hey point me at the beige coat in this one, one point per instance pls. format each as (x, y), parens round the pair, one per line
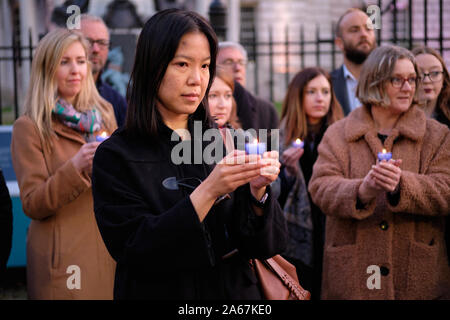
(66, 256)
(405, 241)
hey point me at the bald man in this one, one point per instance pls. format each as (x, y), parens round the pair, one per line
(355, 37)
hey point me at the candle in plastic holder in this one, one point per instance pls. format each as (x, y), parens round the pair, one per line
(298, 143)
(255, 147)
(383, 155)
(102, 137)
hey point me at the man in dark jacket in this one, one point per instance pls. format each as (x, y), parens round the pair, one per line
(355, 37)
(96, 32)
(6, 217)
(253, 112)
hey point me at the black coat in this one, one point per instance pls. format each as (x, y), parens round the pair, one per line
(117, 101)
(254, 112)
(154, 234)
(6, 227)
(340, 89)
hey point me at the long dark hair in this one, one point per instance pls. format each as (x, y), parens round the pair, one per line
(293, 115)
(156, 47)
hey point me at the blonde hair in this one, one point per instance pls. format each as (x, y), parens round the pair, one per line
(377, 71)
(227, 77)
(43, 90)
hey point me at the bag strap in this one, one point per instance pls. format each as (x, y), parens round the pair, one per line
(287, 279)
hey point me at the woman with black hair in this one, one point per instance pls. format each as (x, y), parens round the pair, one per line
(181, 231)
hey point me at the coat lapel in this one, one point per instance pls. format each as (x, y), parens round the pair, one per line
(411, 125)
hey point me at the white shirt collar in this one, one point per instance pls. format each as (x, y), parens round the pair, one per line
(348, 74)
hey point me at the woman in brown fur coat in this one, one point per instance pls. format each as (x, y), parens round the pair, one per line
(386, 220)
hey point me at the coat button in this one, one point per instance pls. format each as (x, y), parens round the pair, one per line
(384, 225)
(384, 271)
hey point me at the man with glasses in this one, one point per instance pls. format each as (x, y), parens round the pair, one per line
(96, 32)
(253, 112)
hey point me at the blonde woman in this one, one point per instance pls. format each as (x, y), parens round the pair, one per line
(52, 148)
(222, 106)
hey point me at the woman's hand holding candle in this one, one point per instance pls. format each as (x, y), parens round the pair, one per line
(268, 173)
(235, 170)
(82, 160)
(290, 159)
(383, 177)
(387, 174)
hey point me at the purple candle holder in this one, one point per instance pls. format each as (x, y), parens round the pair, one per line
(102, 137)
(298, 143)
(255, 148)
(384, 155)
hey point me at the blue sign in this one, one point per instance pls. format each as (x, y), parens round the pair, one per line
(17, 258)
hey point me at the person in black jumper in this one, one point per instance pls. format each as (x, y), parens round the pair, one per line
(181, 229)
(308, 109)
(6, 226)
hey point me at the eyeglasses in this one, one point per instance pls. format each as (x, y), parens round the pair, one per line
(433, 76)
(229, 63)
(101, 42)
(398, 82)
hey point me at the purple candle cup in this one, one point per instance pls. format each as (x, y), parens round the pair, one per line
(102, 137)
(384, 155)
(298, 143)
(255, 148)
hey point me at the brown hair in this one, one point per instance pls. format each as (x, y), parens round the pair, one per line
(376, 72)
(293, 115)
(227, 77)
(443, 100)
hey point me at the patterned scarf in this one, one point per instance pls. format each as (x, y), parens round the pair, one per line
(86, 122)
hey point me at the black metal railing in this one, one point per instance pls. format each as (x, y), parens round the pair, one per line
(15, 54)
(321, 51)
(274, 62)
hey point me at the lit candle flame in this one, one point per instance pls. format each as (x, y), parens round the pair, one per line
(383, 151)
(255, 141)
(298, 141)
(103, 134)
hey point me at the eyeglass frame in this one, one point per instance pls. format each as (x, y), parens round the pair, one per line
(102, 43)
(413, 85)
(439, 72)
(231, 63)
